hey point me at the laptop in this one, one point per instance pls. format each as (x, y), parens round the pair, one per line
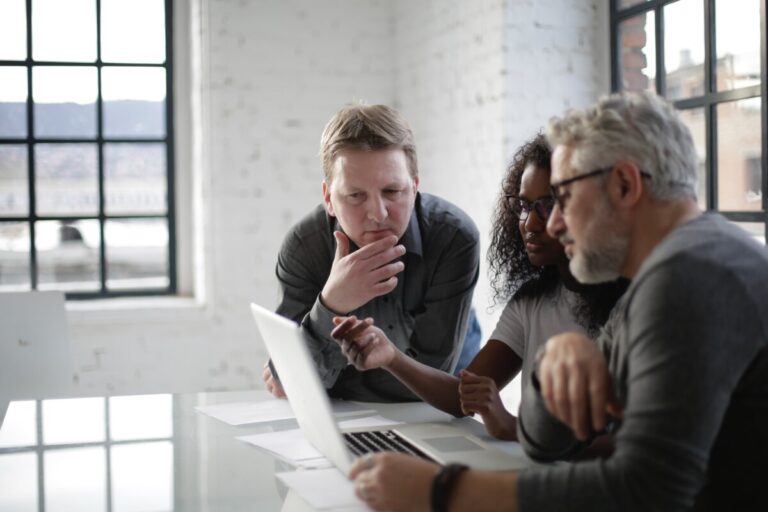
(441, 442)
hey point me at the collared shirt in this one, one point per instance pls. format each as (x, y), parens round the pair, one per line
(424, 316)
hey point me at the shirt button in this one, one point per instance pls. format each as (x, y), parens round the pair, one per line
(390, 327)
(386, 299)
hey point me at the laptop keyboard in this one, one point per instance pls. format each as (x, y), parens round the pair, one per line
(380, 441)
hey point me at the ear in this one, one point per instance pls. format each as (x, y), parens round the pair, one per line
(327, 199)
(415, 184)
(626, 186)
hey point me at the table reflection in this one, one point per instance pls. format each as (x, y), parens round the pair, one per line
(132, 453)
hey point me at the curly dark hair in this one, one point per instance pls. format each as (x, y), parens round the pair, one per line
(512, 274)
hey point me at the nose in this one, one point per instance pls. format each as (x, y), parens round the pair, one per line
(556, 223)
(533, 222)
(377, 209)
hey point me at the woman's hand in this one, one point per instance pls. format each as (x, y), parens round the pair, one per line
(480, 395)
(364, 345)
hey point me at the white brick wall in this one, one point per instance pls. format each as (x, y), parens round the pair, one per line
(473, 78)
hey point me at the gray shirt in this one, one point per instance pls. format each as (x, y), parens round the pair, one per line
(425, 316)
(528, 322)
(687, 348)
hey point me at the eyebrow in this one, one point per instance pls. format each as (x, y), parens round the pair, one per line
(545, 196)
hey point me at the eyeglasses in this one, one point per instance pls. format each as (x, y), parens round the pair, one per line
(522, 208)
(562, 197)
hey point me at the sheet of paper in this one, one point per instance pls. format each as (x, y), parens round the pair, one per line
(323, 489)
(292, 447)
(242, 413)
(289, 445)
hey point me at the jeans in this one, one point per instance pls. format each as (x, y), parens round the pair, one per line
(471, 342)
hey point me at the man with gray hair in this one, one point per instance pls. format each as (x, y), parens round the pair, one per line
(680, 374)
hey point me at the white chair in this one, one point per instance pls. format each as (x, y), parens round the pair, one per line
(34, 348)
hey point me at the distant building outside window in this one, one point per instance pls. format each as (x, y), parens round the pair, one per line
(707, 57)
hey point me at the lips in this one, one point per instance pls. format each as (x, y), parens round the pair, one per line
(532, 245)
(378, 232)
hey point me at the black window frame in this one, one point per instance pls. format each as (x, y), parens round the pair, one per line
(711, 98)
(99, 140)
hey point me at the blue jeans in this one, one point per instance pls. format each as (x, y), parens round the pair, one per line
(471, 342)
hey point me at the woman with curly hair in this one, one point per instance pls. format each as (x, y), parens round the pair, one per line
(529, 269)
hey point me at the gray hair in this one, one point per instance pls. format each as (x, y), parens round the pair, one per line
(641, 127)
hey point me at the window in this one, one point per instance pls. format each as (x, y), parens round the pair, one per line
(88, 454)
(86, 147)
(708, 57)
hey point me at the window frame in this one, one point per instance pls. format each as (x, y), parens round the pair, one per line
(99, 140)
(711, 98)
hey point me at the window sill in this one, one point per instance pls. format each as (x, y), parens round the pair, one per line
(134, 310)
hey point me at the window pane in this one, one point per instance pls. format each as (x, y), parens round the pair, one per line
(65, 101)
(13, 98)
(140, 417)
(696, 122)
(66, 179)
(14, 185)
(137, 253)
(13, 30)
(738, 43)
(630, 3)
(739, 155)
(20, 426)
(68, 255)
(137, 485)
(121, 21)
(14, 256)
(684, 48)
(73, 420)
(135, 178)
(18, 480)
(755, 229)
(76, 479)
(134, 102)
(64, 31)
(638, 53)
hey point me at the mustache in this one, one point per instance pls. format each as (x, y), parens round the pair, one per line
(565, 238)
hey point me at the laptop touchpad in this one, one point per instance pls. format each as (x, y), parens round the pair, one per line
(452, 444)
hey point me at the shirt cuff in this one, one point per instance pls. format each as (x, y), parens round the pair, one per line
(328, 354)
(543, 437)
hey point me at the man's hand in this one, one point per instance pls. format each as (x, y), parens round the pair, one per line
(364, 345)
(273, 385)
(357, 278)
(393, 481)
(480, 395)
(576, 385)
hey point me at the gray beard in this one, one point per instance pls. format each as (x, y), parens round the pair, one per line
(600, 265)
(605, 252)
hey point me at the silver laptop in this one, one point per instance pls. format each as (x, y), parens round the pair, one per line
(441, 442)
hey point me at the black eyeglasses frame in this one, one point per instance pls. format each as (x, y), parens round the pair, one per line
(523, 213)
(561, 197)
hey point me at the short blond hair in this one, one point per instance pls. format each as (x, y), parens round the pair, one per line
(366, 127)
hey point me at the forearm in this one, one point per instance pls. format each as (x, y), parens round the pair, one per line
(542, 436)
(438, 388)
(482, 491)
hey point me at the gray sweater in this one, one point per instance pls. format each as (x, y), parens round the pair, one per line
(687, 348)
